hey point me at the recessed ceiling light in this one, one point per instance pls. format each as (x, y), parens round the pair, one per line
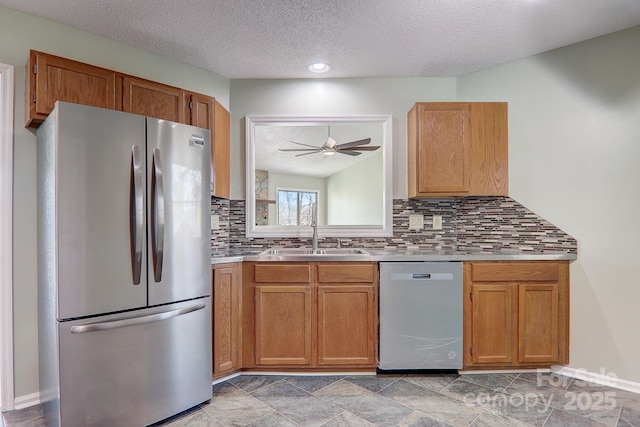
(318, 67)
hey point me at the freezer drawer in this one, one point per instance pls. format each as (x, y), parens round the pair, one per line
(133, 369)
(420, 315)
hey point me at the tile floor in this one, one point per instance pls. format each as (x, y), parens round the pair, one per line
(527, 399)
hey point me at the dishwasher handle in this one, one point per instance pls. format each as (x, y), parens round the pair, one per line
(421, 276)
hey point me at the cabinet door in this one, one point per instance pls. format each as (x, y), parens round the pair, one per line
(440, 148)
(489, 167)
(538, 323)
(346, 325)
(201, 111)
(493, 332)
(206, 112)
(153, 99)
(220, 152)
(283, 325)
(227, 318)
(59, 79)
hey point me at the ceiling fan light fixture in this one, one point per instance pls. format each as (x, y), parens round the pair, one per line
(318, 67)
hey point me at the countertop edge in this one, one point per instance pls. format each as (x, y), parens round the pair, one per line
(398, 257)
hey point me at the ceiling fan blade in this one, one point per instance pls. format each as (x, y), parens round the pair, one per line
(299, 149)
(306, 154)
(374, 148)
(306, 145)
(353, 143)
(349, 152)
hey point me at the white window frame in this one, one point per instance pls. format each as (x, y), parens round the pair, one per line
(6, 236)
(297, 190)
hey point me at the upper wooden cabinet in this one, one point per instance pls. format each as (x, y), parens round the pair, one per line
(205, 112)
(52, 79)
(220, 152)
(457, 149)
(153, 99)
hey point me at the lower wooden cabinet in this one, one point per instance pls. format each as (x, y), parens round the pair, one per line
(227, 318)
(283, 325)
(310, 315)
(516, 314)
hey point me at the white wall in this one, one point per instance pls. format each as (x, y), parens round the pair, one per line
(574, 153)
(18, 33)
(354, 199)
(332, 97)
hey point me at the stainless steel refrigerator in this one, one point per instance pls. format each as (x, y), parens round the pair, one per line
(124, 267)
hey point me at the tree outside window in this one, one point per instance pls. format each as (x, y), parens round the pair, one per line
(296, 207)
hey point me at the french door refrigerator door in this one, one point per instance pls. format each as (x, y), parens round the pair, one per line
(178, 161)
(91, 181)
(134, 368)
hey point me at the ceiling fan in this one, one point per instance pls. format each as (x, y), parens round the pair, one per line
(331, 147)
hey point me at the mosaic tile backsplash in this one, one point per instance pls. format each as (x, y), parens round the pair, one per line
(488, 223)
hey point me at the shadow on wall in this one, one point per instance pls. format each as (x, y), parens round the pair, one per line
(606, 68)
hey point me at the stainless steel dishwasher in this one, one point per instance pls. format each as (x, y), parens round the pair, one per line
(420, 315)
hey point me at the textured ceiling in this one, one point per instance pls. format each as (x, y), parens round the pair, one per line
(358, 38)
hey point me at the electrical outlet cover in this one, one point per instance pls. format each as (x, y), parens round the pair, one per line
(416, 222)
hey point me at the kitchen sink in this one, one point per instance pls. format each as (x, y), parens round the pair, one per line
(307, 251)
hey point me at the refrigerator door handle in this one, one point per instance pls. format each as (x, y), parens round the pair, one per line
(136, 214)
(157, 217)
(115, 324)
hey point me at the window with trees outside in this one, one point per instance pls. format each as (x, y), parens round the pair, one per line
(296, 207)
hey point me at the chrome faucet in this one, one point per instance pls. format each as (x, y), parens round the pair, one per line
(314, 238)
(314, 225)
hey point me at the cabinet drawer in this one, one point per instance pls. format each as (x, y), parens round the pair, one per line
(346, 273)
(282, 273)
(529, 271)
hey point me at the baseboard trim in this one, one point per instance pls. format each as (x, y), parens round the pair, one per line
(598, 378)
(25, 401)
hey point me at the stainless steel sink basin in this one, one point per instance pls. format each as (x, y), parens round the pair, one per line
(307, 251)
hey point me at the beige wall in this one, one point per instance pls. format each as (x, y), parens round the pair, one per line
(318, 97)
(18, 33)
(574, 150)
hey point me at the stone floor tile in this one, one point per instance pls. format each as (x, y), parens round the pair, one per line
(435, 382)
(629, 417)
(519, 407)
(312, 383)
(296, 404)
(560, 418)
(233, 407)
(26, 415)
(195, 418)
(419, 419)
(251, 383)
(372, 382)
(468, 392)
(621, 397)
(492, 381)
(433, 404)
(547, 379)
(365, 404)
(273, 420)
(490, 419)
(347, 419)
